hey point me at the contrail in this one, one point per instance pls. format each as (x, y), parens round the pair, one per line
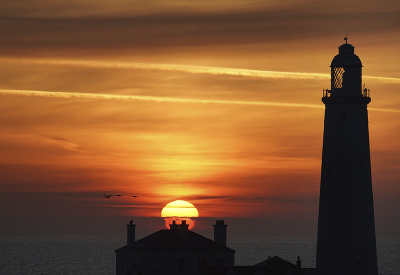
(170, 67)
(186, 69)
(167, 99)
(151, 98)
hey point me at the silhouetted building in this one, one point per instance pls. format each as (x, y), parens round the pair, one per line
(174, 251)
(346, 228)
(271, 266)
(182, 251)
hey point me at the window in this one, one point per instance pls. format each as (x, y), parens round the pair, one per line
(181, 264)
(337, 77)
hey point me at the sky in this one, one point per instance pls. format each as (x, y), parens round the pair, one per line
(213, 102)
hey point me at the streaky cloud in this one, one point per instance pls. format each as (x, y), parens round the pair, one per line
(193, 69)
(151, 98)
(384, 110)
(166, 99)
(207, 197)
(383, 79)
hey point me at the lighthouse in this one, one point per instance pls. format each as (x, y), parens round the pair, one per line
(346, 241)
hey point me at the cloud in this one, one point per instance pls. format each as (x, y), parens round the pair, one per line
(151, 98)
(62, 143)
(173, 68)
(166, 99)
(206, 197)
(79, 8)
(192, 69)
(41, 143)
(177, 27)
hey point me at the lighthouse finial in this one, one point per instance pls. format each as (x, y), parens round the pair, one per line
(345, 38)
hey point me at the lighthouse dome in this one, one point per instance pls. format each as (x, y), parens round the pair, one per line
(346, 57)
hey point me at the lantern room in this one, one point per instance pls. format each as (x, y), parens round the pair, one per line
(346, 73)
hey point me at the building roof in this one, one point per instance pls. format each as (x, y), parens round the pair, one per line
(346, 57)
(275, 265)
(255, 270)
(168, 241)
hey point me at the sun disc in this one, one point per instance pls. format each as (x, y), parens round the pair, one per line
(179, 208)
(178, 211)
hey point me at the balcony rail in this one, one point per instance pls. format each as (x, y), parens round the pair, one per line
(326, 93)
(365, 92)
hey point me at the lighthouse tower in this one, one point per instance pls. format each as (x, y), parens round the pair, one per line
(346, 228)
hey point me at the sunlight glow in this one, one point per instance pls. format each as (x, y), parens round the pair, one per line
(179, 208)
(178, 211)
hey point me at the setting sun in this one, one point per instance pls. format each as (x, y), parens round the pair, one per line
(179, 210)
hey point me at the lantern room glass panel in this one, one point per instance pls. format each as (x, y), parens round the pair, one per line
(337, 77)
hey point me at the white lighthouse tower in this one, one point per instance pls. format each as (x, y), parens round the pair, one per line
(346, 228)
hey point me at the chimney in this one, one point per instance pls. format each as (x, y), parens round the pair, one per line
(220, 232)
(184, 226)
(174, 226)
(183, 229)
(130, 234)
(298, 263)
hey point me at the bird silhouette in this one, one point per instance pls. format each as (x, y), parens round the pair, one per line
(107, 196)
(134, 196)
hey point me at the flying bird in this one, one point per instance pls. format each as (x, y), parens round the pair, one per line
(134, 196)
(107, 196)
(118, 195)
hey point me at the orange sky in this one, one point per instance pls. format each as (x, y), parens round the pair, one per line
(215, 103)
